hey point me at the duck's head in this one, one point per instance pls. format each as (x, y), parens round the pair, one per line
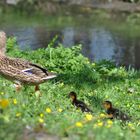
(72, 95)
(2, 42)
(107, 105)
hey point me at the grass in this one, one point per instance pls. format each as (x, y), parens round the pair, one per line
(93, 83)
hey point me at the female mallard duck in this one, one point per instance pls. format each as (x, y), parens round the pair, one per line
(21, 71)
(78, 103)
(114, 112)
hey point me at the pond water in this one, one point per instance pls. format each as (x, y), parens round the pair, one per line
(106, 39)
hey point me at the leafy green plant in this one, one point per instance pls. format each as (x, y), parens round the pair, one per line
(54, 112)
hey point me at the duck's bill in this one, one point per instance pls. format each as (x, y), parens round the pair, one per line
(50, 77)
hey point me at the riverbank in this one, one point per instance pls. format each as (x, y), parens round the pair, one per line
(52, 7)
(117, 6)
(25, 115)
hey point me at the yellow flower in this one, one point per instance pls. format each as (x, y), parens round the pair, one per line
(41, 115)
(109, 122)
(89, 117)
(18, 114)
(100, 124)
(102, 115)
(130, 124)
(14, 101)
(4, 103)
(79, 124)
(139, 106)
(2, 93)
(41, 120)
(60, 110)
(48, 110)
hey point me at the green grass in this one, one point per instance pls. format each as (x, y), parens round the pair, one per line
(93, 83)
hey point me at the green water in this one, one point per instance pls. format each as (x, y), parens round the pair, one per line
(104, 35)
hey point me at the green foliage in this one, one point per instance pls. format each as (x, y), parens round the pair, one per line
(99, 81)
(67, 61)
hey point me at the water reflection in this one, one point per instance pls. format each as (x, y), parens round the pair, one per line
(102, 44)
(98, 43)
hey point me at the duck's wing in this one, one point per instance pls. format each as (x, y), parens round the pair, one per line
(23, 70)
(27, 67)
(83, 106)
(123, 116)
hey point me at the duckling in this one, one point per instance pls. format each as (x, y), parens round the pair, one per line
(78, 103)
(114, 112)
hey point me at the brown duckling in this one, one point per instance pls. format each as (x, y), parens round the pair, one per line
(78, 103)
(114, 112)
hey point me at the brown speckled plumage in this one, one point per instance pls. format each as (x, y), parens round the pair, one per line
(16, 69)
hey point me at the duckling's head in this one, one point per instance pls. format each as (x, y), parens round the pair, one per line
(72, 95)
(2, 42)
(107, 105)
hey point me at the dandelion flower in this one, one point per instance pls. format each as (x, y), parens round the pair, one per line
(2, 93)
(18, 114)
(89, 117)
(100, 124)
(109, 122)
(102, 115)
(60, 110)
(41, 115)
(48, 110)
(4, 103)
(79, 124)
(41, 120)
(130, 124)
(14, 101)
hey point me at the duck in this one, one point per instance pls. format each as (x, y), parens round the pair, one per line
(77, 103)
(20, 71)
(114, 113)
